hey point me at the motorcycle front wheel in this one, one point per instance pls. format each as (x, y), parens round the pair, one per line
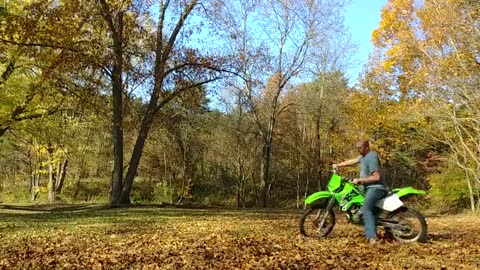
(413, 225)
(311, 220)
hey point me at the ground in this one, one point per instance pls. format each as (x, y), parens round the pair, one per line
(172, 238)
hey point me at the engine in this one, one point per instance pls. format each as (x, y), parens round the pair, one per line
(355, 215)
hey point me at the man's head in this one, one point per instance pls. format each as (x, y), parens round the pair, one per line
(363, 147)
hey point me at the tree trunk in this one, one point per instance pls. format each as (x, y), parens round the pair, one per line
(306, 190)
(3, 130)
(117, 176)
(61, 174)
(117, 89)
(77, 188)
(34, 189)
(243, 184)
(265, 173)
(137, 152)
(318, 147)
(478, 194)
(8, 71)
(51, 184)
(298, 188)
(239, 184)
(188, 174)
(470, 192)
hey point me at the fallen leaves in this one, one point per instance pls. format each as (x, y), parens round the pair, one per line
(198, 239)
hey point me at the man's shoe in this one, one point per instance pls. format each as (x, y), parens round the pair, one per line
(373, 241)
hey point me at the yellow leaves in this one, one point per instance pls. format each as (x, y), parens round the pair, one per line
(388, 64)
(395, 18)
(393, 125)
(427, 43)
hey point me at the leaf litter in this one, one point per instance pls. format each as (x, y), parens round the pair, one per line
(155, 238)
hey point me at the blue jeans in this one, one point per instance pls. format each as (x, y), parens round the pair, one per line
(372, 196)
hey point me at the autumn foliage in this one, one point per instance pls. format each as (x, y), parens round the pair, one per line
(112, 101)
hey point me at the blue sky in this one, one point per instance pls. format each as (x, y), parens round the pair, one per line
(362, 17)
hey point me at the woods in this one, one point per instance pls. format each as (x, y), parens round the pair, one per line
(233, 103)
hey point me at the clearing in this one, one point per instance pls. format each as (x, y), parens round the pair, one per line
(173, 238)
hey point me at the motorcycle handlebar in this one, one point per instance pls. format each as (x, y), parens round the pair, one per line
(335, 170)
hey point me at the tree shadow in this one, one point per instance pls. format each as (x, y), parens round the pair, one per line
(55, 207)
(103, 214)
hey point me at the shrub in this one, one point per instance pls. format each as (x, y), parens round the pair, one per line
(449, 190)
(86, 190)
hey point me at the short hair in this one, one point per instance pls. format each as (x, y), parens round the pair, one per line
(364, 143)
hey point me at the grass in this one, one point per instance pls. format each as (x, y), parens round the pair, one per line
(93, 237)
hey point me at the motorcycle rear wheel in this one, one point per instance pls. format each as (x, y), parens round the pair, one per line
(415, 226)
(311, 219)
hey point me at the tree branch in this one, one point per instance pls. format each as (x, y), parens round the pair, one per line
(177, 92)
(53, 46)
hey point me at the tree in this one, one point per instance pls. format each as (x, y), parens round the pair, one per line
(320, 104)
(174, 69)
(40, 41)
(292, 28)
(430, 50)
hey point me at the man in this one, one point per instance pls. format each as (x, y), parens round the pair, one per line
(372, 180)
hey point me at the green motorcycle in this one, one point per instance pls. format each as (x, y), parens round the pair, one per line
(399, 222)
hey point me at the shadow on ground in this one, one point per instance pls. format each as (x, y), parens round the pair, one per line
(101, 213)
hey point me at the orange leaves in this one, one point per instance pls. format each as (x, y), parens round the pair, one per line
(272, 88)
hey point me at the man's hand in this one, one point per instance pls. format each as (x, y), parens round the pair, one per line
(356, 181)
(335, 166)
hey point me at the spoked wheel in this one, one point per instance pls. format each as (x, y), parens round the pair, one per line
(412, 226)
(311, 222)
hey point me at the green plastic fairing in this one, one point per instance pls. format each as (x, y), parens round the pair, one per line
(318, 195)
(408, 190)
(355, 200)
(334, 183)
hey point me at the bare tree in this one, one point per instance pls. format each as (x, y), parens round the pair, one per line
(273, 40)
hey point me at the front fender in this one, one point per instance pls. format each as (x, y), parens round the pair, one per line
(408, 191)
(317, 196)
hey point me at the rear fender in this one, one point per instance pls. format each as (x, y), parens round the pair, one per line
(408, 191)
(393, 202)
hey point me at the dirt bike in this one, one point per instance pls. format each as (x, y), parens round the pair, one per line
(399, 222)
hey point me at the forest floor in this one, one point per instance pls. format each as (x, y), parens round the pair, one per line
(87, 237)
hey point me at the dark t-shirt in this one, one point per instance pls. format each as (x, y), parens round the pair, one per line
(369, 164)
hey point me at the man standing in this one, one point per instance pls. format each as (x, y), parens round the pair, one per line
(372, 180)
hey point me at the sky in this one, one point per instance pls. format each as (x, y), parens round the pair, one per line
(362, 17)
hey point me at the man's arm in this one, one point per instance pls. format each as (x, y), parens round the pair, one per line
(347, 163)
(374, 177)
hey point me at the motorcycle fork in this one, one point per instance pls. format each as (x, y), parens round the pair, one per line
(327, 209)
